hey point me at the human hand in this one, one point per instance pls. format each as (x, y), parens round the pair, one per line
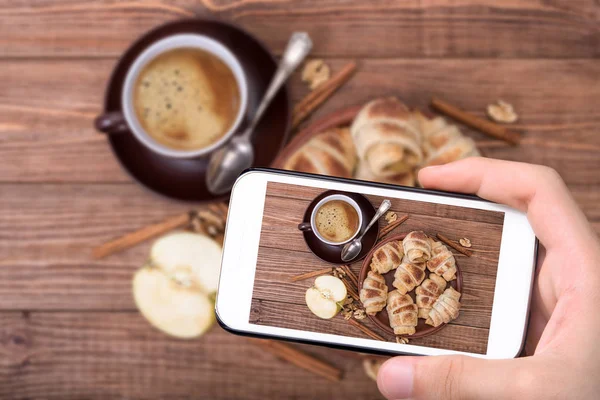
(564, 357)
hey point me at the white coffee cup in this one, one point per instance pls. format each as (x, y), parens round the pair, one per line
(311, 226)
(112, 124)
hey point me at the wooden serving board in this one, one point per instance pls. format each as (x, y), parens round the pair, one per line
(343, 117)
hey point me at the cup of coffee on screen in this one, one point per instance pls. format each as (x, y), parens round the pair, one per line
(183, 96)
(335, 220)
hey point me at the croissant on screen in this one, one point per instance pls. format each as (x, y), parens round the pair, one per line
(408, 276)
(387, 257)
(374, 293)
(428, 293)
(442, 261)
(417, 247)
(402, 312)
(445, 308)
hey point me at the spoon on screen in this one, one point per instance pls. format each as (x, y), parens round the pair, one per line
(352, 249)
(229, 161)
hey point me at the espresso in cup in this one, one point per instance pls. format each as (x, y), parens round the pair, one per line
(182, 97)
(336, 221)
(186, 98)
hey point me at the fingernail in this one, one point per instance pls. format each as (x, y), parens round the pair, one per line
(395, 378)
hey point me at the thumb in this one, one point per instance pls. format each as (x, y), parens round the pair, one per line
(451, 377)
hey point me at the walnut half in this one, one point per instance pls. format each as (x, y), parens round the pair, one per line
(502, 112)
(315, 72)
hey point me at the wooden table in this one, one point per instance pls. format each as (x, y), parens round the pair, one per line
(68, 325)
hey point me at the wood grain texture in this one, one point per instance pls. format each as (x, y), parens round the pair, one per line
(431, 28)
(283, 254)
(62, 191)
(73, 355)
(42, 141)
(49, 230)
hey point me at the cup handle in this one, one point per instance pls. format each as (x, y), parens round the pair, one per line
(111, 122)
(305, 227)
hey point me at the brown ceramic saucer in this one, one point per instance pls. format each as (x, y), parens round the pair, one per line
(381, 318)
(331, 253)
(183, 179)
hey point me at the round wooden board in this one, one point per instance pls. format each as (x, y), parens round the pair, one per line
(381, 318)
(343, 117)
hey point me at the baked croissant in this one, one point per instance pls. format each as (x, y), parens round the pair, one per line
(442, 261)
(455, 149)
(428, 293)
(445, 308)
(436, 132)
(387, 257)
(329, 153)
(417, 247)
(408, 276)
(402, 313)
(387, 138)
(374, 293)
(404, 179)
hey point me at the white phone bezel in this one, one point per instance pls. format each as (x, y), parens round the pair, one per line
(513, 281)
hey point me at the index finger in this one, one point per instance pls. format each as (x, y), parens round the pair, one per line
(537, 190)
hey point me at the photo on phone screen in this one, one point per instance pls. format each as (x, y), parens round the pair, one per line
(304, 228)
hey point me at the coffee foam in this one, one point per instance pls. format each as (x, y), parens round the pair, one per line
(336, 221)
(186, 99)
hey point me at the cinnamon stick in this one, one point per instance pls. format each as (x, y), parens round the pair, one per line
(488, 127)
(454, 245)
(311, 274)
(133, 238)
(351, 290)
(390, 227)
(353, 278)
(318, 96)
(366, 330)
(300, 359)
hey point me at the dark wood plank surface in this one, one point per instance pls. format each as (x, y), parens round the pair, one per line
(43, 137)
(283, 253)
(62, 192)
(398, 28)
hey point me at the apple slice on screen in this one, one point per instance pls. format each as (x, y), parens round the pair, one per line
(323, 297)
(171, 305)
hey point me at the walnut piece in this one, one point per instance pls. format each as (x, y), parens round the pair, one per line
(464, 242)
(315, 72)
(391, 217)
(360, 314)
(502, 112)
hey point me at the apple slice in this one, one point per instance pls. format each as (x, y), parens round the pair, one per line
(186, 255)
(171, 305)
(323, 297)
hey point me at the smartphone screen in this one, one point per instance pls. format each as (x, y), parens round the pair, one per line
(293, 232)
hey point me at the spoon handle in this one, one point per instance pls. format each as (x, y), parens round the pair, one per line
(296, 51)
(385, 205)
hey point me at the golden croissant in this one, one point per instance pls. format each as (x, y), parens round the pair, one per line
(387, 257)
(387, 138)
(408, 276)
(417, 247)
(445, 308)
(328, 153)
(402, 313)
(374, 293)
(442, 261)
(428, 293)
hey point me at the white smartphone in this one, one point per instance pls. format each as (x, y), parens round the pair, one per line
(284, 225)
